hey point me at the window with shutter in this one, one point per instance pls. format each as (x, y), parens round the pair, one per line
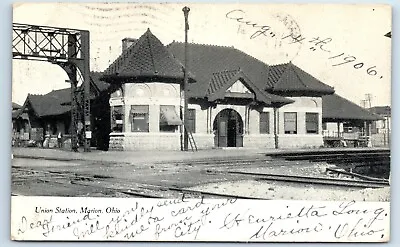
(169, 119)
(139, 116)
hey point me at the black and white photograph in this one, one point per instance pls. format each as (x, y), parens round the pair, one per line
(201, 122)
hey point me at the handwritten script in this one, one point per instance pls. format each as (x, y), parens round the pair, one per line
(293, 36)
(199, 220)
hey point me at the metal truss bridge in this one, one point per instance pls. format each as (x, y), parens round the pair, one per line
(68, 48)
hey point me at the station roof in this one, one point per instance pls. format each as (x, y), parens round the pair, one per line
(222, 80)
(15, 106)
(215, 65)
(207, 59)
(289, 78)
(44, 105)
(381, 110)
(145, 59)
(274, 81)
(338, 109)
(57, 102)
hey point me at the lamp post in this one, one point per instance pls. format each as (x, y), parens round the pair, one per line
(185, 81)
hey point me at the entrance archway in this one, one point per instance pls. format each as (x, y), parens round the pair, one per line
(228, 129)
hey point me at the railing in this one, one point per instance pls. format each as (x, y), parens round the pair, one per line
(344, 139)
(332, 134)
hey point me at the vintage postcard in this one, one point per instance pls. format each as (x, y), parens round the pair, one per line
(201, 122)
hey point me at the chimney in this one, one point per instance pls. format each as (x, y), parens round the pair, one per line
(127, 42)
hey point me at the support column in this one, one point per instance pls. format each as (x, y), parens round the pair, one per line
(276, 129)
(365, 128)
(185, 84)
(211, 121)
(208, 120)
(368, 129)
(248, 120)
(388, 130)
(338, 129)
(71, 71)
(85, 71)
(246, 127)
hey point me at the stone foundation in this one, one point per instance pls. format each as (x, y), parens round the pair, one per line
(145, 141)
(171, 141)
(203, 141)
(116, 142)
(156, 141)
(259, 141)
(300, 141)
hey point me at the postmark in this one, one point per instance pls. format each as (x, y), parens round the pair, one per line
(275, 32)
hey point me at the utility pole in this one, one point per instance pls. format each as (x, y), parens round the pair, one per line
(185, 81)
(363, 103)
(368, 98)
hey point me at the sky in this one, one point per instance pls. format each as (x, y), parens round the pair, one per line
(341, 45)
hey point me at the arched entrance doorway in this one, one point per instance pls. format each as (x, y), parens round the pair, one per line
(228, 129)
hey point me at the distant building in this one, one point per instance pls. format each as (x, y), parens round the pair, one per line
(44, 116)
(383, 125)
(381, 129)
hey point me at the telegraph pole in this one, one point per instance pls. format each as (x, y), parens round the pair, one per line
(185, 82)
(368, 98)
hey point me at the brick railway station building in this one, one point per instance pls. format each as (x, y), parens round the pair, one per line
(235, 100)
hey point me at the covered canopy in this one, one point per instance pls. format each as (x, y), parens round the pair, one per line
(338, 109)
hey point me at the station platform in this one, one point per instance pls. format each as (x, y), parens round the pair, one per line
(156, 156)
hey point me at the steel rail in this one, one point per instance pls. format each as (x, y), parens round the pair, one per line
(328, 151)
(334, 156)
(312, 180)
(357, 175)
(73, 178)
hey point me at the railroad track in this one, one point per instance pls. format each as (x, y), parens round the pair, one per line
(312, 180)
(211, 162)
(336, 156)
(138, 190)
(330, 151)
(356, 175)
(131, 188)
(355, 157)
(330, 157)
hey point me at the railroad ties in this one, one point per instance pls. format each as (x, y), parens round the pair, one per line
(110, 186)
(213, 171)
(347, 161)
